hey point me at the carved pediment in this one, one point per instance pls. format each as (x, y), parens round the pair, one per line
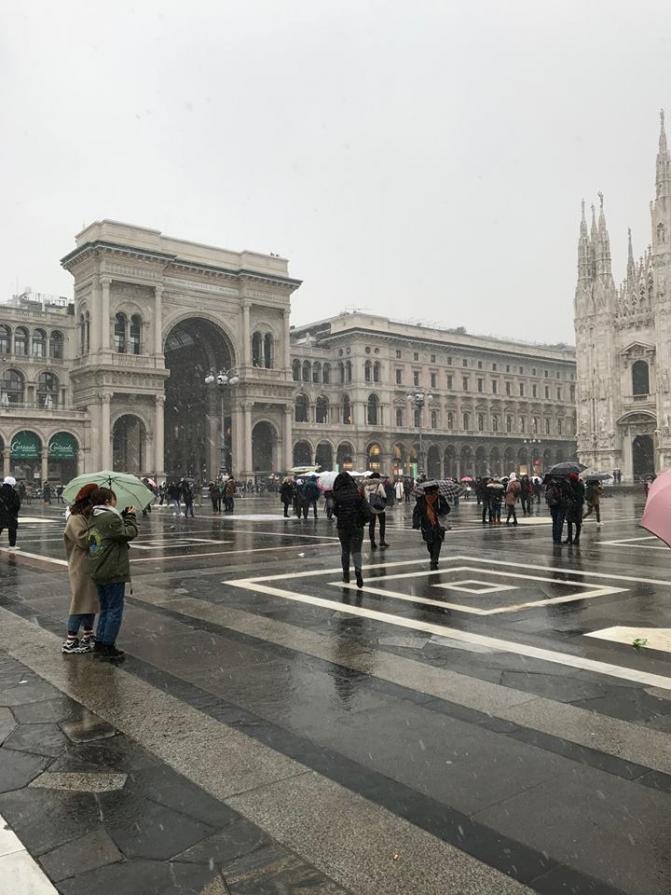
(638, 349)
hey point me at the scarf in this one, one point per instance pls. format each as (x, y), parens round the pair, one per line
(431, 508)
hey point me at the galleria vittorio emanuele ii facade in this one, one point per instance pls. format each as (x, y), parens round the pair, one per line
(179, 359)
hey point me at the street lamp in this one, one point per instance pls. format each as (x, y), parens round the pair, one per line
(532, 442)
(223, 380)
(417, 401)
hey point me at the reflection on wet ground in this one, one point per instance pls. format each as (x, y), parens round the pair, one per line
(463, 713)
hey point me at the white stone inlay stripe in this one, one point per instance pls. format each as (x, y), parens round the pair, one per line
(648, 638)
(19, 873)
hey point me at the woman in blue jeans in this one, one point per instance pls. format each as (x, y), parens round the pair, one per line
(110, 532)
(83, 595)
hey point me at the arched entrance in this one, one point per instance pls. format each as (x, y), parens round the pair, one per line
(345, 456)
(129, 445)
(433, 469)
(63, 450)
(264, 439)
(302, 454)
(374, 456)
(450, 459)
(643, 456)
(197, 415)
(25, 457)
(495, 462)
(324, 455)
(480, 462)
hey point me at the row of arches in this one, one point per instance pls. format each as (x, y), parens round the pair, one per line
(13, 389)
(23, 342)
(315, 372)
(32, 459)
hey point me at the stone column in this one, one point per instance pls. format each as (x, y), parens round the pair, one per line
(288, 432)
(105, 451)
(213, 453)
(158, 324)
(287, 339)
(94, 305)
(159, 461)
(238, 440)
(105, 283)
(627, 454)
(247, 411)
(45, 465)
(6, 461)
(246, 335)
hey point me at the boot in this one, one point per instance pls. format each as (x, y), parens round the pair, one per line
(345, 573)
(359, 578)
(373, 545)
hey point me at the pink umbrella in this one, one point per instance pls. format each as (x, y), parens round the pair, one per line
(657, 514)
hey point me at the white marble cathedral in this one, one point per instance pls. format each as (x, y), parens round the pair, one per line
(623, 343)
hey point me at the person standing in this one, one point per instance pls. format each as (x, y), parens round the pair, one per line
(377, 500)
(59, 494)
(109, 534)
(593, 492)
(398, 490)
(495, 497)
(46, 493)
(10, 506)
(513, 491)
(426, 517)
(407, 489)
(555, 498)
(287, 495)
(174, 496)
(215, 497)
(524, 495)
(83, 594)
(229, 495)
(312, 494)
(187, 498)
(352, 512)
(574, 510)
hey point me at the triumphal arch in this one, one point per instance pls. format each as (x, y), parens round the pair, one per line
(155, 317)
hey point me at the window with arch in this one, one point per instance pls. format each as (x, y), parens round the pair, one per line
(56, 345)
(559, 427)
(21, 341)
(322, 410)
(326, 374)
(135, 334)
(306, 371)
(481, 422)
(5, 339)
(450, 419)
(39, 343)
(547, 426)
(418, 417)
(120, 333)
(316, 372)
(296, 371)
(399, 417)
(82, 331)
(47, 390)
(495, 423)
(87, 331)
(640, 378)
(257, 350)
(522, 424)
(373, 410)
(367, 371)
(13, 388)
(467, 422)
(268, 351)
(301, 414)
(434, 419)
(661, 234)
(346, 410)
(376, 371)
(348, 372)
(534, 425)
(262, 350)
(509, 424)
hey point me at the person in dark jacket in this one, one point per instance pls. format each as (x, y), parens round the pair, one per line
(574, 509)
(556, 497)
(187, 497)
(109, 566)
(10, 504)
(352, 512)
(215, 497)
(426, 517)
(312, 494)
(287, 495)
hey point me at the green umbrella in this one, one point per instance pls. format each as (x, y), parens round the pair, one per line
(129, 490)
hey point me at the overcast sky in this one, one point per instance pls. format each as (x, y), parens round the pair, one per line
(424, 161)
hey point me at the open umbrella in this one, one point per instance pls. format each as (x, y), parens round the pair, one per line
(565, 468)
(467, 478)
(657, 514)
(326, 480)
(129, 490)
(446, 488)
(596, 476)
(496, 486)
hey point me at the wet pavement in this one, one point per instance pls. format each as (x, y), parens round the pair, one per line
(274, 730)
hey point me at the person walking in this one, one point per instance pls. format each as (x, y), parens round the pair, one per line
(46, 493)
(229, 495)
(352, 512)
(398, 490)
(514, 490)
(484, 498)
(525, 494)
(109, 534)
(593, 492)
(59, 494)
(187, 498)
(407, 489)
(556, 499)
(574, 510)
(311, 494)
(329, 504)
(495, 498)
(377, 500)
(215, 497)
(84, 603)
(426, 517)
(10, 506)
(175, 497)
(287, 495)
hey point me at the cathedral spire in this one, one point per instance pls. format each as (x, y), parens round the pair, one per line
(663, 179)
(584, 268)
(603, 263)
(631, 267)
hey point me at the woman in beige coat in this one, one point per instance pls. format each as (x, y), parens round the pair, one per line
(84, 598)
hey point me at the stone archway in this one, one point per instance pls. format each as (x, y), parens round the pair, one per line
(433, 465)
(643, 456)
(302, 455)
(264, 442)
(198, 426)
(345, 456)
(324, 455)
(129, 437)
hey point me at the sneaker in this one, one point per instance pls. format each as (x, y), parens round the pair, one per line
(72, 646)
(88, 644)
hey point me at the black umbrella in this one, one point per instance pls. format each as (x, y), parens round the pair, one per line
(445, 487)
(565, 468)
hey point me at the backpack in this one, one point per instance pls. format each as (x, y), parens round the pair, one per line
(553, 495)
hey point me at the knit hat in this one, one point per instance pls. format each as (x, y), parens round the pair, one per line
(10, 480)
(85, 492)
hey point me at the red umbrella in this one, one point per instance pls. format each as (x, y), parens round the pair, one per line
(657, 514)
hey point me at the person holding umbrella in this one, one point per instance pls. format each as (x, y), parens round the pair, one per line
(513, 491)
(287, 495)
(557, 501)
(430, 506)
(352, 512)
(84, 603)
(574, 509)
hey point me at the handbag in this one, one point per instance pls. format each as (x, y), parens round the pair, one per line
(378, 503)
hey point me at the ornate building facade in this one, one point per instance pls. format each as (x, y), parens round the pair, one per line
(124, 376)
(623, 343)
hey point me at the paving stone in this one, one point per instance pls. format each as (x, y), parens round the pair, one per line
(115, 754)
(43, 819)
(144, 829)
(95, 849)
(273, 870)
(46, 711)
(162, 784)
(237, 839)
(18, 768)
(42, 739)
(7, 723)
(80, 782)
(31, 691)
(125, 878)
(87, 729)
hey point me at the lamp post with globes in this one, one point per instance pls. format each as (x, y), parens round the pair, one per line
(533, 443)
(222, 381)
(417, 400)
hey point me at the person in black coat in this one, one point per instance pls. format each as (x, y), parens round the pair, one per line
(287, 490)
(352, 512)
(10, 504)
(426, 517)
(574, 508)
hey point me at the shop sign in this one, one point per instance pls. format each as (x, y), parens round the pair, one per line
(62, 446)
(26, 446)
